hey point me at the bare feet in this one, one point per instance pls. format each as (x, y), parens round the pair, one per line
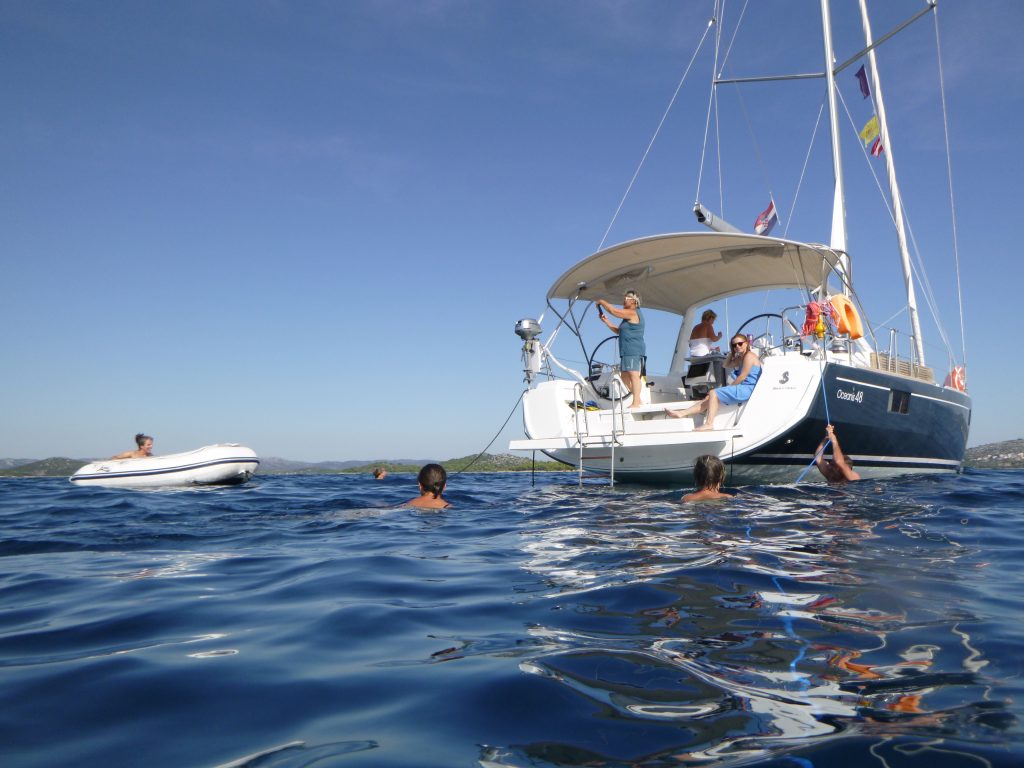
(705, 428)
(673, 414)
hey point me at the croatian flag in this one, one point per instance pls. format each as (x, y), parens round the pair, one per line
(766, 220)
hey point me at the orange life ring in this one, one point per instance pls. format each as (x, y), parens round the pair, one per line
(957, 379)
(847, 318)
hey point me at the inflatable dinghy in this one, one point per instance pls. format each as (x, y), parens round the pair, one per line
(224, 464)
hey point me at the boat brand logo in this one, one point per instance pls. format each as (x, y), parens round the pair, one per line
(854, 396)
(780, 386)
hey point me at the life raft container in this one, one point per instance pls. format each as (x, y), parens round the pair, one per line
(847, 317)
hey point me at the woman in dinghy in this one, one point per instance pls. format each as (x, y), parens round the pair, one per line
(748, 364)
(145, 448)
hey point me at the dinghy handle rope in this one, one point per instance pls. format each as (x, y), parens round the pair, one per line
(514, 407)
(828, 420)
(787, 624)
(814, 460)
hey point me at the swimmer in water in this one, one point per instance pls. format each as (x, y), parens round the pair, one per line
(838, 469)
(708, 474)
(432, 480)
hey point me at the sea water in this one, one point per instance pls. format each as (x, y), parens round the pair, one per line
(310, 620)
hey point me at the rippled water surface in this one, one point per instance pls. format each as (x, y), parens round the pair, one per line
(300, 621)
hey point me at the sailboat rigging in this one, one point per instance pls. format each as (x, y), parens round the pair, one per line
(895, 417)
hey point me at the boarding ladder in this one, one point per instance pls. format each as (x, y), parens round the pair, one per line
(582, 427)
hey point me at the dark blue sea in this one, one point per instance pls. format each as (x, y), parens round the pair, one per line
(309, 621)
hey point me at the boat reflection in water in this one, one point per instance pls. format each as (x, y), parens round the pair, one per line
(799, 623)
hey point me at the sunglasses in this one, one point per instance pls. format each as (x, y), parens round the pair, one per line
(738, 343)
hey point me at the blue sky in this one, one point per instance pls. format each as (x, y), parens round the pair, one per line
(310, 227)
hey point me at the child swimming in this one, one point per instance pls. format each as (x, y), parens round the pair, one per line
(432, 480)
(708, 474)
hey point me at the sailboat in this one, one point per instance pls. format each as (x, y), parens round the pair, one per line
(821, 361)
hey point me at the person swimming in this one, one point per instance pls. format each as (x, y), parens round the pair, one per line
(838, 469)
(708, 475)
(145, 448)
(432, 479)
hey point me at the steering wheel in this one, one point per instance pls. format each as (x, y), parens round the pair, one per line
(768, 317)
(590, 360)
(590, 367)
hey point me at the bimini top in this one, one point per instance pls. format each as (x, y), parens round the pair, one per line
(676, 271)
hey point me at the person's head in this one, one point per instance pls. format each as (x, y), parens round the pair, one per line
(739, 344)
(708, 316)
(379, 473)
(631, 296)
(708, 472)
(145, 442)
(432, 479)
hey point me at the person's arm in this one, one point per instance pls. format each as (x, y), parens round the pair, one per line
(622, 314)
(819, 457)
(125, 455)
(712, 335)
(838, 457)
(604, 318)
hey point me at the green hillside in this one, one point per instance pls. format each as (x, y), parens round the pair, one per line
(62, 467)
(55, 466)
(487, 463)
(1008, 454)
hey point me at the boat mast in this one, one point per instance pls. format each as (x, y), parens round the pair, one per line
(838, 239)
(894, 190)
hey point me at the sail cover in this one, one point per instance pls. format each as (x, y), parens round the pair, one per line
(675, 271)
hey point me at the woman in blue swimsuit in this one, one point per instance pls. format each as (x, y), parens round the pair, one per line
(631, 339)
(742, 387)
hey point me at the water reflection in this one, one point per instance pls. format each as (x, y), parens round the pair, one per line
(749, 629)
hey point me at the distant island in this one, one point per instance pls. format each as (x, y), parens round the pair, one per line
(1008, 454)
(504, 462)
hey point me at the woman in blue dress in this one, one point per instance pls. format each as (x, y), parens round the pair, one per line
(632, 348)
(741, 357)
